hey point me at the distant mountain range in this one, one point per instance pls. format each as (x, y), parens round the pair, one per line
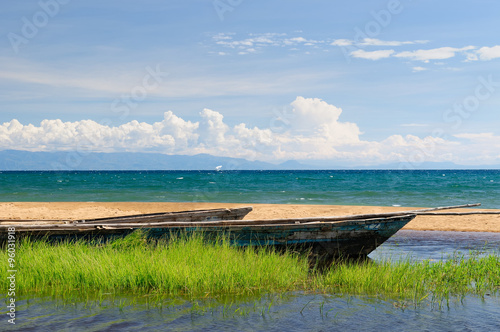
(15, 160)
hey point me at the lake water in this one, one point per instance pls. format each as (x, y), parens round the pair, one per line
(296, 311)
(338, 187)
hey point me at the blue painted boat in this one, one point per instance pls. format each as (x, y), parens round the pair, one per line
(323, 237)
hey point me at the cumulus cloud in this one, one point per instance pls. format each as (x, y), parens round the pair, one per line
(212, 129)
(313, 117)
(182, 134)
(310, 129)
(313, 131)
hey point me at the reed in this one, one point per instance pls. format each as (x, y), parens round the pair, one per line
(189, 266)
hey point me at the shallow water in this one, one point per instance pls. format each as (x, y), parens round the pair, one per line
(292, 312)
(296, 311)
(437, 245)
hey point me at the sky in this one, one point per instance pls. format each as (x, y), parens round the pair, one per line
(353, 83)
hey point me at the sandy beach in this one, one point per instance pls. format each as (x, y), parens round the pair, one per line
(88, 210)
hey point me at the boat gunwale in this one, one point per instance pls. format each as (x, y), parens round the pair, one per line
(219, 224)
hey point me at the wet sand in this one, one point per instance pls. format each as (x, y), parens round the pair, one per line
(88, 210)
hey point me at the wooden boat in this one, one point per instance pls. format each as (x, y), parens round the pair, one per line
(179, 216)
(325, 238)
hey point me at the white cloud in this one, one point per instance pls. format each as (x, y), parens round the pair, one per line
(183, 133)
(311, 129)
(256, 43)
(212, 129)
(86, 134)
(260, 41)
(281, 39)
(314, 131)
(489, 53)
(314, 116)
(373, 55)
(432, 54)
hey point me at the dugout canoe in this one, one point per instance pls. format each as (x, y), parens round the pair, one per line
(324, 238)
(177, 216)
(321, 237)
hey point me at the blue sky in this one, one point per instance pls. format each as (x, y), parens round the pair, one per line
(414, 80)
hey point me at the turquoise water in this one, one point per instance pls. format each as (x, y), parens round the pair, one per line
(349, 187)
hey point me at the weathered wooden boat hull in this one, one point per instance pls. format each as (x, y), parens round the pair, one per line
(324, 240)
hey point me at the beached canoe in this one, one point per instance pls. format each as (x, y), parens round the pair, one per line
(178, 216)
(325, 238)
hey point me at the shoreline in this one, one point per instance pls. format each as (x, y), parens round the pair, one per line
(89, 210)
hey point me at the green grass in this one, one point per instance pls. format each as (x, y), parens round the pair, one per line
(188, 266)
(417, 281)
(180, 267)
